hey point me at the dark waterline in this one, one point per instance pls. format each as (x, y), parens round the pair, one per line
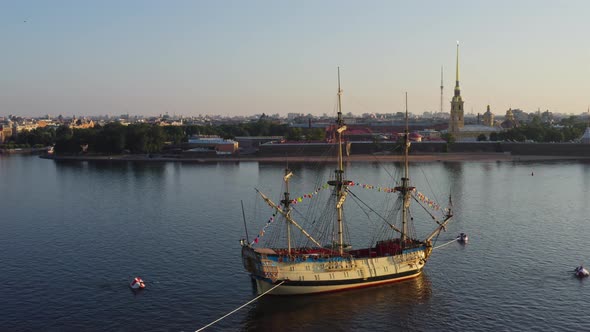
(72, 235)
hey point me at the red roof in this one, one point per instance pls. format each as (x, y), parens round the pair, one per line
(358, 131)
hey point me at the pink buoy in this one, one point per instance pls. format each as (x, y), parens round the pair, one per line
(137, 283)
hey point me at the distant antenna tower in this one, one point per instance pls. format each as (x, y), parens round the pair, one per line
(441, 91)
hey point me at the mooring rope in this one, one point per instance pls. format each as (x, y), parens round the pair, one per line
(442, 245)
(256, 298)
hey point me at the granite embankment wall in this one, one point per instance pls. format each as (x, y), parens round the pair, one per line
(359, 148)
(547, 149)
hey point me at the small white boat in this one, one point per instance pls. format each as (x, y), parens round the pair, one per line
(581, 272)
(137, 283)
(463, 238)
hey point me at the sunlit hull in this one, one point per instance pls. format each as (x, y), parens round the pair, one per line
(287, 289)
(310, 274)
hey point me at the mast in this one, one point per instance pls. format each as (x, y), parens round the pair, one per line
(405, 189)
(442, 225)
(340, 123)
(340, 169)
(339, 183)
(287, 204)
(289, 219)
(245, 226)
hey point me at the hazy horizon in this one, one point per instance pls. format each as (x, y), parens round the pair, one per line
(240, 58)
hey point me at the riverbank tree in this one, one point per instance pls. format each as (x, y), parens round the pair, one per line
(115, 138)
(542, 133)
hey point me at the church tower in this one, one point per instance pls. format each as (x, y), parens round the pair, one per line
(456, 121)
(488, 118)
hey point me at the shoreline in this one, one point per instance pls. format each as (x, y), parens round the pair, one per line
(431, 157)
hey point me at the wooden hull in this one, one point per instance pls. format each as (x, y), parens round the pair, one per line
(263, 285)
(312, 274)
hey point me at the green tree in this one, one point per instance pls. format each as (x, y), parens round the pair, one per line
(315, 134)
(294, 134)
(572, 133)
(174, 134)
(262, 127)
(63, 132)
(37, 136)
(520, 137)
(536, 121)
(155, 139)
(66, 146)
(111, 138)
(136, 138)
(554, 135)
(570, 122)
(450, 138)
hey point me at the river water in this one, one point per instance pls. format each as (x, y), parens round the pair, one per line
(73, 234)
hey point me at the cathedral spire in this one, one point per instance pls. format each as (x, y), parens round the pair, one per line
(457, 89)
(456, 120)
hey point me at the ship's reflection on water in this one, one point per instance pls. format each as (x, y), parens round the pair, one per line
(346, 310)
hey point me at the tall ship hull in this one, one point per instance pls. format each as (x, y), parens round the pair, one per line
(294, 261)
(310, 273)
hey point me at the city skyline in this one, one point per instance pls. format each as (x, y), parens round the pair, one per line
(240, 58)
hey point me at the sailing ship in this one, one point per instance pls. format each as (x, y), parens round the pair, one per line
(327, 262)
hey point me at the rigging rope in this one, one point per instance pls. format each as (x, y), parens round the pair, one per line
(429, 185)
(442, 245)
(256, 298)
(384, 168)
(366, 205)
(367, 215)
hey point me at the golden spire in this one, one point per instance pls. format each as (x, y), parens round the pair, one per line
(457, 81)
(456, 120)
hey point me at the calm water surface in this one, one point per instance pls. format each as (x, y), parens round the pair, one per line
(73, 234)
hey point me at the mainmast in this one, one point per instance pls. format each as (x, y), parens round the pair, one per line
(287, 204)
(339, 183)
(405, 189)
(341, 126)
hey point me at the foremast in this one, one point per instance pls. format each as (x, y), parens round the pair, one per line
(405, 188)
(406, 191)
(287, 217)
(444, 223)
(339, 183)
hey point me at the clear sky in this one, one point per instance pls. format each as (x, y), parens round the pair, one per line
(249, 57)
